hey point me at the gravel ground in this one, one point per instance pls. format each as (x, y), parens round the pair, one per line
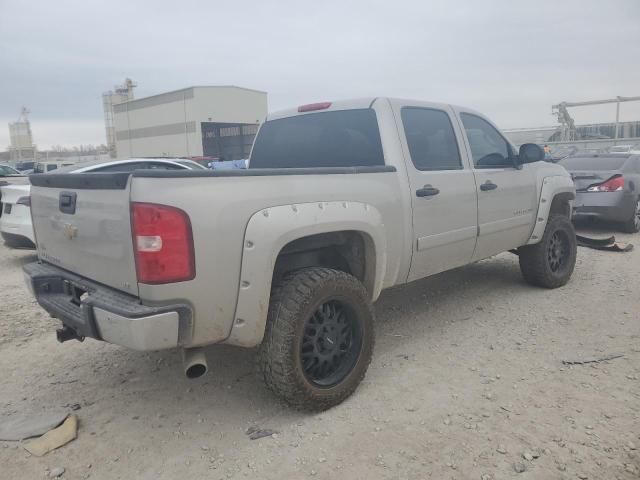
(467, 382)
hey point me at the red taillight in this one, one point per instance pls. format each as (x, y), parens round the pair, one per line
(26, 201)
(614, 184)
(314, 106)
(163, 243)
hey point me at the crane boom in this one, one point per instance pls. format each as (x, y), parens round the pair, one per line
(567, 124)
(598, 102)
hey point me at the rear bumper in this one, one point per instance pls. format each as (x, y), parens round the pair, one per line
(93, 310)
(611, 206)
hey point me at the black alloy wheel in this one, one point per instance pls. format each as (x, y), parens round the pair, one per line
(318, 339)
(331, 343)
(558, 251)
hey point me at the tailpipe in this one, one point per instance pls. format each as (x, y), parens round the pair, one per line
(195, 362)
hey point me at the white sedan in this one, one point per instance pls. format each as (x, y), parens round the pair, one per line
(15, 202)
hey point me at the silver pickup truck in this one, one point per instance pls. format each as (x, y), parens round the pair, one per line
(340, 201)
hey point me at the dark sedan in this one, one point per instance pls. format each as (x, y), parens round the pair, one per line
(607, 188)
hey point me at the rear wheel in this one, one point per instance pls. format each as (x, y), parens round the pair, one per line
(633, 224)
(319, 338)
(550, 262)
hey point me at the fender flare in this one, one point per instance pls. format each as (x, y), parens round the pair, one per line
(267, 233)
(551, 188)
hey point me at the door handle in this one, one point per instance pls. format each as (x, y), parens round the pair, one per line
(67, 202)
(427, 191)
(488, 185)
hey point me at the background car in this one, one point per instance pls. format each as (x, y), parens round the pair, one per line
(607, 188)
(9, 175)
(49, 166)
(627, 149)
(558, 153)
(15, 219)
(25, 166)
(132, 164)
(7, 171)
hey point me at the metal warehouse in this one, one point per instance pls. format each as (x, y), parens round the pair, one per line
(206, 121)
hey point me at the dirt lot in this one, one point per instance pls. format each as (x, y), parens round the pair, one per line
(467, 378)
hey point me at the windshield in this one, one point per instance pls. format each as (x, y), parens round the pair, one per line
(7, 170)
(593, 163)
(342, 138)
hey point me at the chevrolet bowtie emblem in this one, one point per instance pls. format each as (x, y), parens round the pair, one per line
(70, 231)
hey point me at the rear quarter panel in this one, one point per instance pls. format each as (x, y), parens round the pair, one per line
(220, 209)
(271, 229)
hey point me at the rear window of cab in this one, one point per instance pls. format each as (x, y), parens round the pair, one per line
(340, 138)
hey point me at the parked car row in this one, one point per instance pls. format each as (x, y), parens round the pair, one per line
(559, 152)
(628, 149)
(607, 187)
(44, 166)
(15, 201)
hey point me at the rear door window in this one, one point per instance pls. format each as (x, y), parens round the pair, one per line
(343, 138)
(431, 139)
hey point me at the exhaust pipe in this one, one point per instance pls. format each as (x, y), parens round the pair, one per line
(195, 362)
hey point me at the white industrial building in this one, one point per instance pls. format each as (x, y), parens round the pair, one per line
(22, 147)
(209, 121)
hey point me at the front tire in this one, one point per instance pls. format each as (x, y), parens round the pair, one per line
(550, 262)
(319, 338)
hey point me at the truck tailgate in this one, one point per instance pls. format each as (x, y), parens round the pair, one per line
(82, 224)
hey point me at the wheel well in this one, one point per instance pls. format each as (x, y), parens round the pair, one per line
(561, 205)
(349, 251)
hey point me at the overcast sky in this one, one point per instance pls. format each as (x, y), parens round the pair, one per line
(509, 59)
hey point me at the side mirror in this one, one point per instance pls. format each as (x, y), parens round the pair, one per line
(530, 152)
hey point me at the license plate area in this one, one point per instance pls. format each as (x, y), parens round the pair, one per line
(7, 208)
(76, 293)
(65, 300)
(72, 292)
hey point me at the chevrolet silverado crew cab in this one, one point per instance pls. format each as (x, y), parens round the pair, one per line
(340, 201)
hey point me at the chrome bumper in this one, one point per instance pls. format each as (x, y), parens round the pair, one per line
(96, 311)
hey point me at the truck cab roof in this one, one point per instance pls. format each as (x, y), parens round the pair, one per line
(355, 103)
